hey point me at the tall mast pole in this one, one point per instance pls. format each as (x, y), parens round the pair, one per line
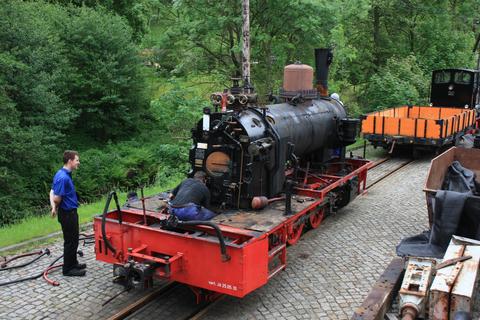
(246, 44)
(477, 52)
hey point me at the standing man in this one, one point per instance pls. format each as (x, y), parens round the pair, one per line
(64, 202)
(191, 199)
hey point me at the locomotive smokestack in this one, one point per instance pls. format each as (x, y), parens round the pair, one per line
(323, 59)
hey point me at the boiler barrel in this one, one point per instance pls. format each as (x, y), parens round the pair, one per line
(309, 126)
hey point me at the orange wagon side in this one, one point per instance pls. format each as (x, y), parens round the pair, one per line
(423, 126)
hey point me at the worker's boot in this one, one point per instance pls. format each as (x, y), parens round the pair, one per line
(75, 273)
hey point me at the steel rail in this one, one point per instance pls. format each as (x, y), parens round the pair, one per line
(389, 173)
(201, 311)
(143, 301)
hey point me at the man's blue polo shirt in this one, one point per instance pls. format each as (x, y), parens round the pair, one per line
(63, 186)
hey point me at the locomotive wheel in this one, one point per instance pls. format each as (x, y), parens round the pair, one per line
(316, 218)
(294, 233)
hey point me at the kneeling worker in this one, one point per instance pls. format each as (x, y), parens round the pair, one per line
(190, 199)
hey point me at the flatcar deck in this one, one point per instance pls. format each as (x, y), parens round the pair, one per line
(263, 220)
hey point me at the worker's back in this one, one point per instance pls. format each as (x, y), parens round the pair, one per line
(191, 191)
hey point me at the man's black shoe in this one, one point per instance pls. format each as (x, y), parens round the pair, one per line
(80, 266)
(74, 273)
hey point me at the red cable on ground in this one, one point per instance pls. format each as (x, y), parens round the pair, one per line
(45, 275)
(7, 261)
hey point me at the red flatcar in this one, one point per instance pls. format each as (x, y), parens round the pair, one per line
(255, 241)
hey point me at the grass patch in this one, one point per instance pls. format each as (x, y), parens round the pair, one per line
(195, 85)
(358, 144)
(39, 226)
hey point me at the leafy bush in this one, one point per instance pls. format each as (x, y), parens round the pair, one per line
(399, 82)
(106, 82)
(177, 111)
(127, 166)
(156, 156)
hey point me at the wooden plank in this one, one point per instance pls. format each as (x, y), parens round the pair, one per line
(440, 290)
(465, 286)
(380, 297)
(263, 220)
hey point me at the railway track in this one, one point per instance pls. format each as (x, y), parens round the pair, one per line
(171, 300)
(385, 167)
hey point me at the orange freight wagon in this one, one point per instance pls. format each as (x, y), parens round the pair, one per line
(424, 127)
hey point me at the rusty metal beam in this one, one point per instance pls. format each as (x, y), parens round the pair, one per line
(384, 290)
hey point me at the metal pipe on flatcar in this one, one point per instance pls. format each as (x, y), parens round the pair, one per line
(223, 248)
(104, 217)
(173, 222)
(143, 207)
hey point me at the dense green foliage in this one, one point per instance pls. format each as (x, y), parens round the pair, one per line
(368, 36)
(105, 83)
(73, 75)
(64, 72)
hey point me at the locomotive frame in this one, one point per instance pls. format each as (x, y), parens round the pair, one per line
(255, 242)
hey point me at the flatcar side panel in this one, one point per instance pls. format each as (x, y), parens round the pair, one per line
(429, 113)
(193, 260)
(407, 127)
(379, 124)
(403, 112)
(367, 124)
(433, 129)
(391, 126)
(415, 112)
(421, 123)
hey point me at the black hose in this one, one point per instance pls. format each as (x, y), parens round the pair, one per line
(44, 252)
(87, 240)
(7, 261)
(223, 248)
(32, 277)
(104, 216)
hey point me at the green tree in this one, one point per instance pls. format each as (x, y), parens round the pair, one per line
(35, 112)
(399, 82)
(136, 12)
(206, 36)
(63, 72)
(106, 84)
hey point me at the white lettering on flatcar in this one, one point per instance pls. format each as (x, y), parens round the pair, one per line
(222, 285)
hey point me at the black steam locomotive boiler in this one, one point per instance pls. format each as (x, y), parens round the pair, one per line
(246, 149)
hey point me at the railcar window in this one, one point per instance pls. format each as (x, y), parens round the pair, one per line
(442, 77)
(462, 77)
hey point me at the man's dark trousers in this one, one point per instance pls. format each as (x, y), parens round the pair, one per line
(69, 221)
